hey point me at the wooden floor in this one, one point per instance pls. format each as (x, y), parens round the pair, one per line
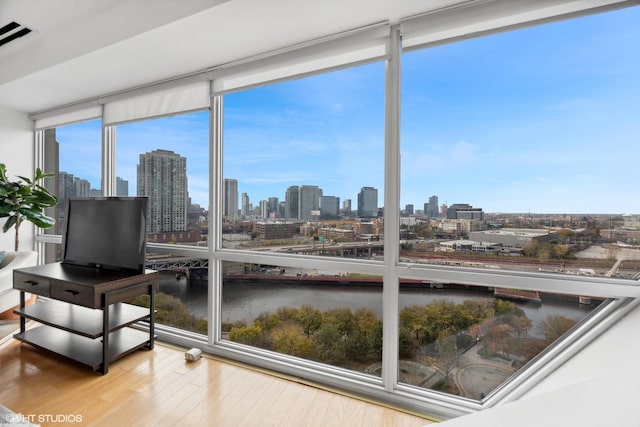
(158, 388)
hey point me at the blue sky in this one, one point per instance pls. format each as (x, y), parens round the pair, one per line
(541, 120)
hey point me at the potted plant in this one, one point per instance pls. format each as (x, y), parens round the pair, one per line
(25, 200)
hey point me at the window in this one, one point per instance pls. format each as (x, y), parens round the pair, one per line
(303, 165)
(511, 153)
(167, 160)
(74, 154)
(303, 176)
(517, 149)
(328, 317)
(468, 340)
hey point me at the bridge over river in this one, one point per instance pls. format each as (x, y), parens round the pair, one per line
(181, 265)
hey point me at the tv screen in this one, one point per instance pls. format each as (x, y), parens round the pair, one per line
(106, 232)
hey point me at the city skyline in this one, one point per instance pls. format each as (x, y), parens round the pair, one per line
(539, 120)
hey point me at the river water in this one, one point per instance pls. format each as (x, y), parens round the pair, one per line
(246, 301)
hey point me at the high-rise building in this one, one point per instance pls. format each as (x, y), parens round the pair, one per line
(329, 207)
(273, 205)
(346, 207)
(245, 205)
(309, 202)
(70, 186)
(432, 210)
(162, 176)
(408, 210)
(368, 202)
(264, 208)
(443, 210)
(291, 202)
(230, 202)
(122, 187)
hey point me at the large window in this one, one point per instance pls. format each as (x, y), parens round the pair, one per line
(512, 159)
(519, 149)
(167, 160)
(303, 175)
(468, 340)
(74, 154)
(329, 317)
(304, 165)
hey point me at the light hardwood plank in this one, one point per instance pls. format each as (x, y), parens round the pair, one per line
(159, 388)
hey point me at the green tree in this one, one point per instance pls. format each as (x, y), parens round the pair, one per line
(329, 345)
(502, 307)
(439, 317)
(461, 318)
(286, 314)
(562, 251)
(309, 318)
(364, 342)
(341, 318)
(289, 338)
(246, 334)
(478, 309)
(407, 346)
(171, 311)
(268, 321)
(414, 319)
(531, 249)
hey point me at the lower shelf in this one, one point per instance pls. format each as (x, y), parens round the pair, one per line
(82, 349)
(82, 320)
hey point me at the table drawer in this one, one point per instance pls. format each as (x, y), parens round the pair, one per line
(32, 284)
(74, 294)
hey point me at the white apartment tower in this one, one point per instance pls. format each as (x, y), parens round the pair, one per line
(230, 202)
(246, 206)
(162, 176)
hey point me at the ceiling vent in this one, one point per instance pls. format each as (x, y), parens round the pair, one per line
(12, 31)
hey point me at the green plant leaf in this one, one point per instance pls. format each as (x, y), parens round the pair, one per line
(10, 223)
(40, 220)
(25, 199)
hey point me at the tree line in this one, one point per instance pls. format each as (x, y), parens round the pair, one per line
(433, 334)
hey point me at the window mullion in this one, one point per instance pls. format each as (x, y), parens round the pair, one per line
(391, 202)
(108, 161)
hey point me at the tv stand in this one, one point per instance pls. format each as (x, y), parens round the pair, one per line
(85, 318)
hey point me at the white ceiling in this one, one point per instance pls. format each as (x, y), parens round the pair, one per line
(81, 49)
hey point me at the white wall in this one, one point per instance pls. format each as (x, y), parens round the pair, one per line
(17, 153)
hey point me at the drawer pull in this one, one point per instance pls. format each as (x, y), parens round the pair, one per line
(69, 291)
(32, 282)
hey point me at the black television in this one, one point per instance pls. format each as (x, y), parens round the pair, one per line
(106, 232)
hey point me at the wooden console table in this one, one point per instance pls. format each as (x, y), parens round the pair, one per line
(85, 318)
